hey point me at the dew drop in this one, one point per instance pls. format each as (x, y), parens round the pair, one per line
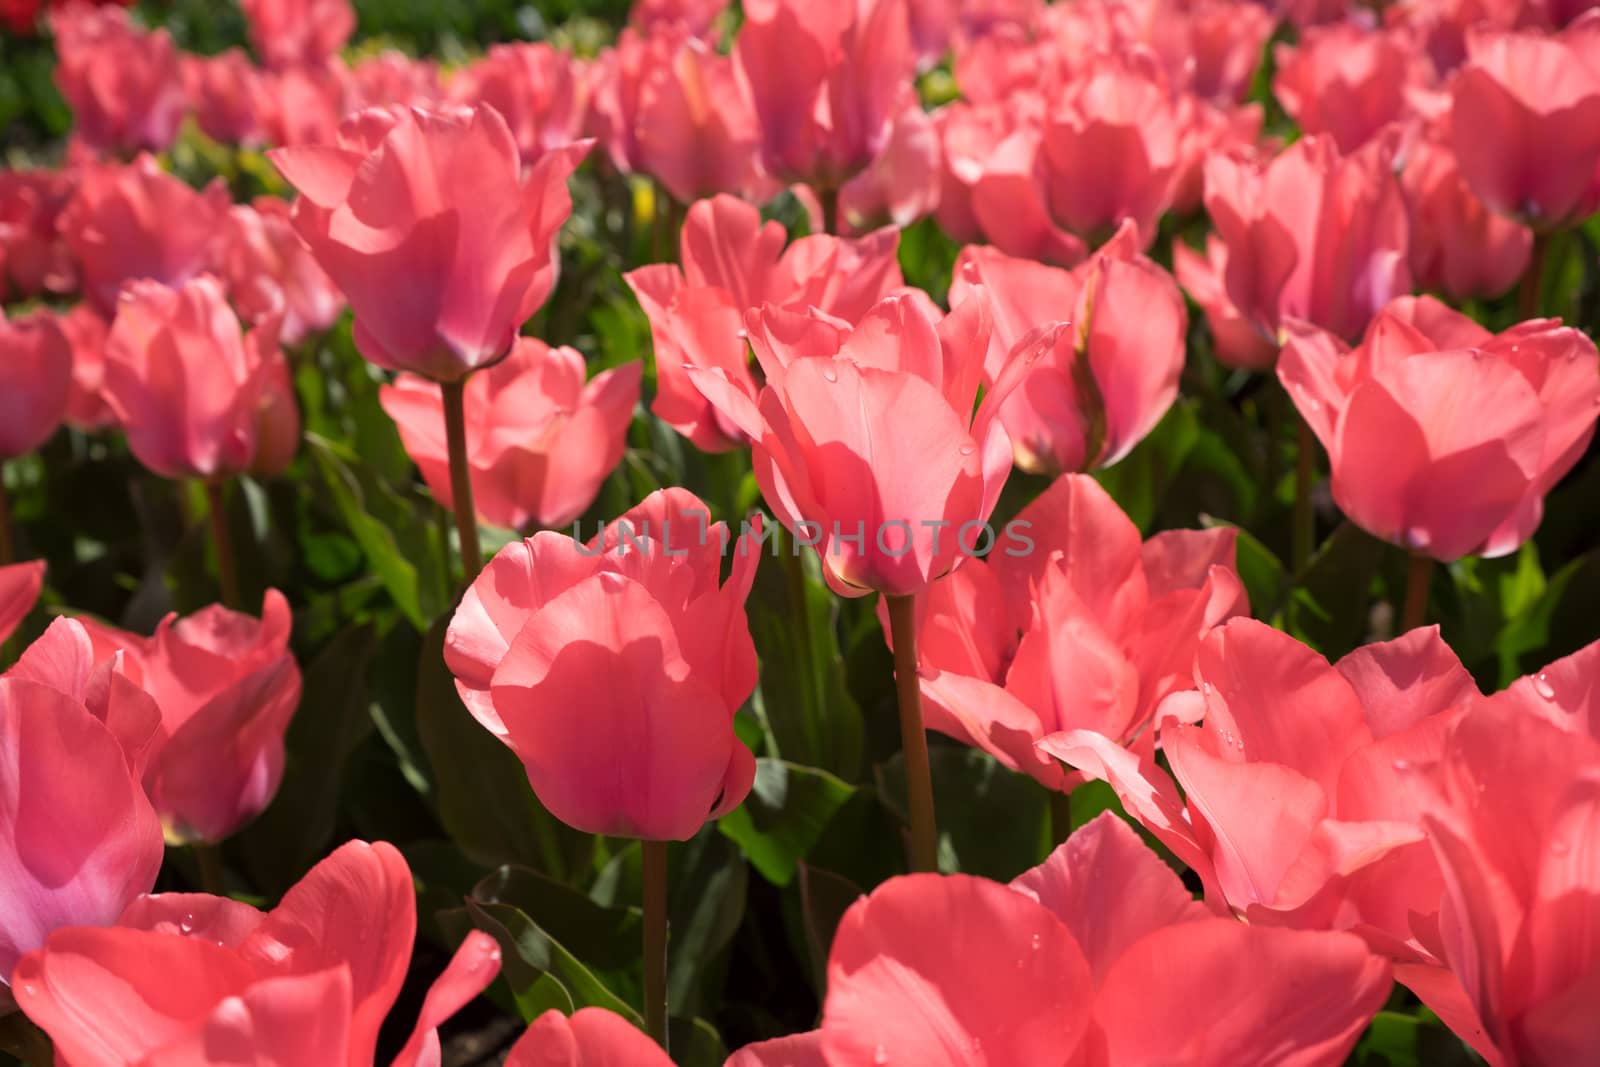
(29, 989)
(880, 1055)
(1036, 942)
(1401, 765)
(829, 374)
(1559, 847)
(1418, 538)
(1542, 686)
(968, 449)
(1515, 349)
(1205, 687)
(186, 924)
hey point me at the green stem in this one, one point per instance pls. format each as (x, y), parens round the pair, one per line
(212, 880)
(455, 431)
(222, 543)
(913, 738)
(655, 939)
(830, 209)
(1533, 280)
(1060, 817)
(1305, 520)
(1419, 573)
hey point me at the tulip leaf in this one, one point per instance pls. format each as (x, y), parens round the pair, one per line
(824, 898)
(1329, 600)
(786, 812)
(1139, 482)
(990, 819)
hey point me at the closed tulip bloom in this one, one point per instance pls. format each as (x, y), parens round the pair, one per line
(1235, 340)
(614, 669)
(393, 79)
(86, 332)
(1076, 957)
(827, 81)
(539, 440)
(20, 584)
(1095, 396)
(537, 88)
(1526, 122)
(33, 253)
(692, 16)
(1347, 81)
(292, 33)
(192, 394)
(592, 1037)
(78, 838)
(1443, 437)
(902, 184)
(270, 272)
(1085, 629)
(1311, 235)
(224, 92)
(695, 129)
(424, 220)
(124, 84)
(226, 686)
(1458, 246)
(191, 979)
(733, 263)
(127, 223)
(301, 106)
(35, 381)
(1510, 808)
(866, 443)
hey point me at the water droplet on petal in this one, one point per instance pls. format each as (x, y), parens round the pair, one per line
(1542, 686)
(1035, 942)
(829, 374)
(968, 449)
(29, 989)
(1559, 847)
(186, 924)
(1401, 765)
(1418, 538)
(1205, 687)
(880, 1055)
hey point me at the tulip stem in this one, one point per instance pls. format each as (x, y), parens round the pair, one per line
(1533, 279)
(212, 880)
(913, 738)
(222, 543)
(1305, 521)
(655, 939)
(455, 431)
(1419, 572)
(8, 551)
(1060, 817)
(830, 209)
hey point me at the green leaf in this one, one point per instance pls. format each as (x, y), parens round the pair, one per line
(1391, 1039)
(785, 814)
(1263, 574)
(824, 898)
(990, 819)
(1329, 602)
(1140, 481)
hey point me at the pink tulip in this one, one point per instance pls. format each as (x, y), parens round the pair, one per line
(1082, 627)
(1236, 342)
(635, 628)
(1443, 437)
(1510, 808)
(124, 84)
(1225, 39)
(32, 250)
(302, 106)
(78, 838)
(20, 584)
(902, 184)
(1090, 400)
(196, 980)
(86, 333)
(1302, 819)
(393, 79)
(968, 134)
(537, 88)
(1563, 692)
(270, 272)
(539, 441)
(592, 1037)
(226, 686)
(614, 81)
(694, 127)
(1347, 82)
(196, 399)
(733, 263)
(440, 272)
(224, 90)
(866, 443)
(692, 16)
(1207, 130)
(293, 33)
(35, 381)
(1077, 960)
(133, 222)
(827, 81)
(1458, 246)
(1525, 123)
(1311, 235)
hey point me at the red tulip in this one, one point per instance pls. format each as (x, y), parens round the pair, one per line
(866, 443)
(1458, 246)
(539, 441)
(293, 33)
(196, 980)
(732, 263)
(1077, 960)
(592, 1037)
(35, 381)
(270, 272)
(1311, 235)
(124, 84)
(1347, 81)
(196, 399)
(226, 686)
(32, 250)
(424, 220)
(1510, 808)
(537, 87)
(1081, 627)
(133, 222)
(1525, 122)
(635, 629)
(86, 333)
(78, 839)
(1443, 437)
(20, 584)
(827, 81)
(1091, 399)
(224, 90)
(1301, 819)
